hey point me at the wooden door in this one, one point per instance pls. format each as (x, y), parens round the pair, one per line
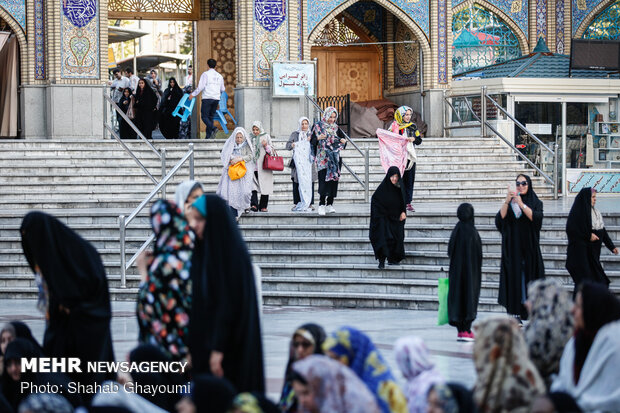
(216, 39)
(354, 70)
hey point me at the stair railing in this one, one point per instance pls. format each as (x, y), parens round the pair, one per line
(365, 183)
(108, 102)
(484, 124)
(124, 221)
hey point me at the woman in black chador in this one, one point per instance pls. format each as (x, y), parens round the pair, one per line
(519, 221)
(73, 293)
(124, 104)
(168, 124)
(145, 107)
(465, 252)
(586, 234)
(224, 324)
(387, 219)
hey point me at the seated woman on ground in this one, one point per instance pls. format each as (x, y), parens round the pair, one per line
(307, 340)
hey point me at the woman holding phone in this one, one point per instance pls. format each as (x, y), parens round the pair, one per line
(519, 221)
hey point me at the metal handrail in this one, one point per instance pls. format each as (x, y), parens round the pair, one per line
(118, 110)
(125, 221)
(365, 153)
(485, 124)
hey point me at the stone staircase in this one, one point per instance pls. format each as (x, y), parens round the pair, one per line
(306, 259)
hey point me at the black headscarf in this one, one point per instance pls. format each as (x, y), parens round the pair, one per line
(211, 394)
(520, 251)
(583, 255)
(78, 302)
(599, 307)
(225, 314)
(579, 222)
(465, 252)
(387, 231)
(316, 335)
(149, 353)
(146, 95)
(389, 199)
(22, 348)
(23, 331)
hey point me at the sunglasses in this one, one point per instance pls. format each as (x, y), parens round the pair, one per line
(522, 183)
(304, 344)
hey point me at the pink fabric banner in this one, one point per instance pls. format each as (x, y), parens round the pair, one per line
(392, 150)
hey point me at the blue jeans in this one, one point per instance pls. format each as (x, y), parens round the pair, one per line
(207, 113)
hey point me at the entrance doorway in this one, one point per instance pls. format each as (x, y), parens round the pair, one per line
(354, 69)
(9, 82)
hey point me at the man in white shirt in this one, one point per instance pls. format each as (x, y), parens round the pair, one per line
(189, 79)
(133, 79)
(211, 85)
(119, 84)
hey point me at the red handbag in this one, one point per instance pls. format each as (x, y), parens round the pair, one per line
(273, 162)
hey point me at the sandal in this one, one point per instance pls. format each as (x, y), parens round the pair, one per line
(263, 210)
(254, 209)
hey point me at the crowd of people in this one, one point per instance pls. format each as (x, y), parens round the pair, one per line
(316, 157)
(148, 104)
(197, 303)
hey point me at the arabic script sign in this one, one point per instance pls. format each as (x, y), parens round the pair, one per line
(270, 13)
(291, 78)
(79, 12)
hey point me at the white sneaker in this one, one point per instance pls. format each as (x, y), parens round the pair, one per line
(330, 209)
(321, 209)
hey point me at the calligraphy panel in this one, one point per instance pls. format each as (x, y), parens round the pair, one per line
(270, 36)
(270, 13)
(79, 39)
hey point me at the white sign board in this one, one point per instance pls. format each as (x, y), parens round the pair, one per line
(539, 128)
(290, 79)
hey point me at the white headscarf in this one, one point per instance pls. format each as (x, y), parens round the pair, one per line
(303, 134)
(231, 145)
(183, 190)
(597, 219)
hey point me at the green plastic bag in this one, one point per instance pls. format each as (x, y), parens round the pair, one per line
(442, 293)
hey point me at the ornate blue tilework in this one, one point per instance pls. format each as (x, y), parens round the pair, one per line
(370, 15)
(79, 39)
(457, 2)
(79, 12)
(517, 10)
(581, 8)
(541, 19)
(39, 40)
(559, 26)
(17, 10)
(405, 57)
(270, 13)
(221, 9)
(269, 45)
(318, 9)
(442, 42)
(300, 33)
(417, 10)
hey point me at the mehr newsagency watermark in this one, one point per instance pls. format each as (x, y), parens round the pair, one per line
(75, 365)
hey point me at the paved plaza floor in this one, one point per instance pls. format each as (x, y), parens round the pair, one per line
(384, 326)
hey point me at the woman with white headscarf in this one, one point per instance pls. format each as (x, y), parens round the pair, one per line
(303, 169)
(186, 193)
(238, 192)
(303, 133)
(263, 178)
